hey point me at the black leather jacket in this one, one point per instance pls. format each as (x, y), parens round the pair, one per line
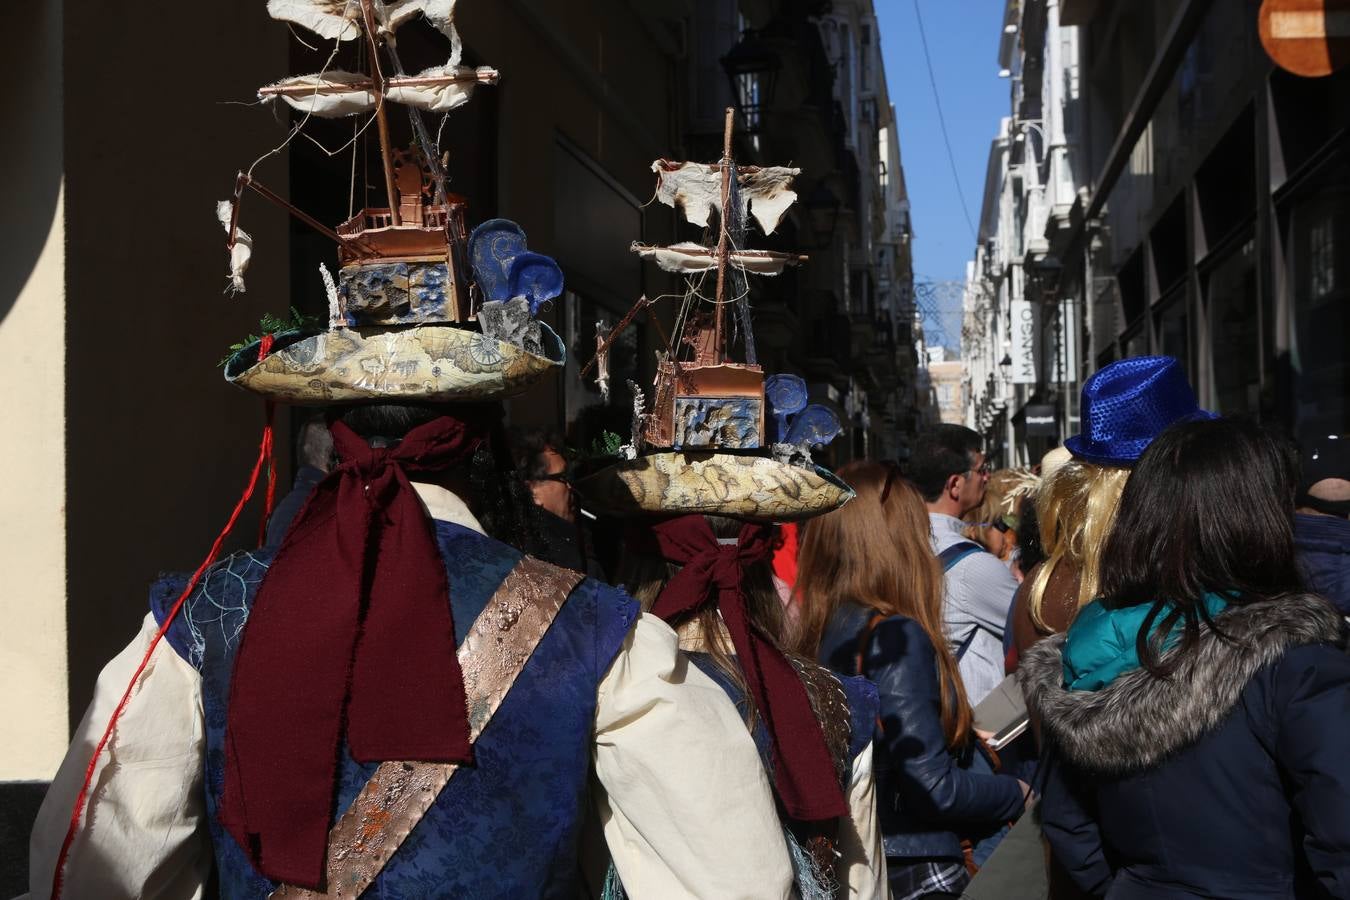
(924, 793)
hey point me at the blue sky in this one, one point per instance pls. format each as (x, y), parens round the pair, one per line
(963, 40)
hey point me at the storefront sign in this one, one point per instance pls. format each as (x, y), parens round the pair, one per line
(1040, 420)
(1063, 344)
(1023, 335)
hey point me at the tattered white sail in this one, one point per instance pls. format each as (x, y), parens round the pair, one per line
(689, 258)
(333, 19)
(440, 13)
(441, 88)
(334, 94)
(329, 95)
(343, 20)
(697, 188)
(241, 252)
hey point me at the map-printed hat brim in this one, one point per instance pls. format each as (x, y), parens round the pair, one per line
(754, 488)
(427, 363)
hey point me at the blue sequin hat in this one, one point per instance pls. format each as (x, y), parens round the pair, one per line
(1128, 404)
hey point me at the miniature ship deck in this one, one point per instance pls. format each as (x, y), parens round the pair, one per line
(411, 240)
(406, 273)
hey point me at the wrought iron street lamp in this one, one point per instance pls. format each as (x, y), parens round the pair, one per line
(753, 66)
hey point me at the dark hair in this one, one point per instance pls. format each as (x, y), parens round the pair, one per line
(528, 446)
(1208, 509)
(499, 497)
(939, 454)
(382, 424)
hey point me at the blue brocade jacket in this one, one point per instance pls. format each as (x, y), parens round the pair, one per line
(528, 789)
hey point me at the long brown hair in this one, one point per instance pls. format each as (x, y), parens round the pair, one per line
(878, 555)
(645, 575)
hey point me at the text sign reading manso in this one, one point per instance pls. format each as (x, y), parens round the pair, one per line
(1023, 334)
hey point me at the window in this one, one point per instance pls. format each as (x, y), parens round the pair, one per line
(1318, 242)
(1226, 184)
(747, 85)
(1168, 242)
(1235, 331)
(1136, 343)
(1171, 324)
(1133, 287)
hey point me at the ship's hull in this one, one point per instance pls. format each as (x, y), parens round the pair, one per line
(707, 407)
(411, 273)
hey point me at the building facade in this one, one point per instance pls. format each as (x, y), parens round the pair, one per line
(811, 89)
(950, 387)
(1017, 334)
(1164, 188)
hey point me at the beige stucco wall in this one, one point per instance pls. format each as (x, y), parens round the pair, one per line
(32, 437)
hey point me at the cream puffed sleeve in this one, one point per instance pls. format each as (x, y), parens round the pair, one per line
(862, 862)
(144, 834)
(685, 804)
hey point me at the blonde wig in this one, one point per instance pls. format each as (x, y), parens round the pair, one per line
(1076, 508)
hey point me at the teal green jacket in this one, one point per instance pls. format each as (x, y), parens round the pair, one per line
(1102, 644)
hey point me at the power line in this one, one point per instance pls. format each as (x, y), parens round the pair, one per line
(942, 121)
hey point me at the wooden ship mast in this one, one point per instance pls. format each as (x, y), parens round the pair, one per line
(710, 401)
(409, 256)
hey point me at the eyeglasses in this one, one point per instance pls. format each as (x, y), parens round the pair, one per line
(984, 469)
(892, 473)
(560, 477)
(1000, 526)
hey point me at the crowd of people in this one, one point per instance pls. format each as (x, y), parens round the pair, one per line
(722, 708)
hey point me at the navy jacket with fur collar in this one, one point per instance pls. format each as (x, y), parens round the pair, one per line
(1228, 779)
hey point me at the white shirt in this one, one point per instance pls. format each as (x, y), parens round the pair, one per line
(862, 860)
(979, 592)
(682, 797)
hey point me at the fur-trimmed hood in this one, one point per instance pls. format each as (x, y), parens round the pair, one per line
(1138, 720)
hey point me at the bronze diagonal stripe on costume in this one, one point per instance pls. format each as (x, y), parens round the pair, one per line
(398, 795)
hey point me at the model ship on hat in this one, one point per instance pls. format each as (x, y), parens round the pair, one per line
(421, 308)
(720, 437)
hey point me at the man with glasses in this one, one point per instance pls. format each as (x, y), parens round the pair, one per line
(541, 458)
(949, 467)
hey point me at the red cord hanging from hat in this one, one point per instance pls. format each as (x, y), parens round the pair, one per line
(804, 774)
(265, 461)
